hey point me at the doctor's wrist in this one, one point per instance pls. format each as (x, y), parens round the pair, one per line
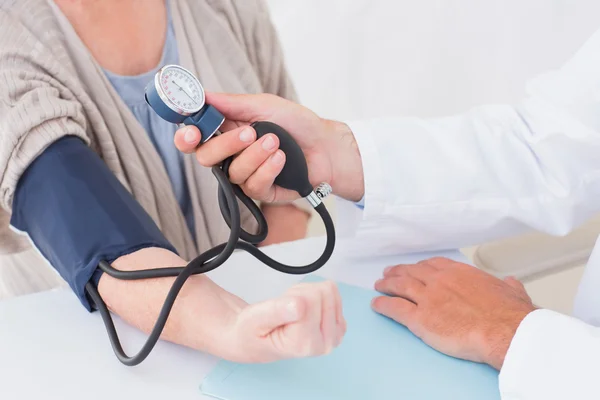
(347, 179)
(497, 340)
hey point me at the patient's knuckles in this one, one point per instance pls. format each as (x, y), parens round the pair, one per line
(299, 286)
(306, 288)
(298, 348)
(315, 294)
(308, 342)
(327, 288)
(309, 349)
(330, 287)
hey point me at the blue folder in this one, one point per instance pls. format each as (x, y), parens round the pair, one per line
(378, 359)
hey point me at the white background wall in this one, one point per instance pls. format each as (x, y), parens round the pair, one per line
(364, 58)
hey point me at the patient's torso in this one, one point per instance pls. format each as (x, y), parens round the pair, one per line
(228, 45)
(131, 89)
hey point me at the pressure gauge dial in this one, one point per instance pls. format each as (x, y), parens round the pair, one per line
(177, 96)
(180, 90)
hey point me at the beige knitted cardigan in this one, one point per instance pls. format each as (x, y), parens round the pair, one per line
(50, 86)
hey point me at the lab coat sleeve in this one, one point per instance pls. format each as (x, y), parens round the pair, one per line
(552, 357)
(493, 172)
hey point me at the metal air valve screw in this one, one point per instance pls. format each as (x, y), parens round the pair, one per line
(323, 190)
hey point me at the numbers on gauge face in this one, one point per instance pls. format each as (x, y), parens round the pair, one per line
(182, 89)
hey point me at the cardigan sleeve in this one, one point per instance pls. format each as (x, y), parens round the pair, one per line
(99, 219)
(36, 106)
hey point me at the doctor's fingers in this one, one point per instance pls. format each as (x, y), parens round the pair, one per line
(406, 287)
(260, 185)
(218, 148)
(422, 272)
(249, 160)
(400, 310)
(187, 139)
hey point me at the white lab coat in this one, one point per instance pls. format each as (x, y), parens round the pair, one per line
(497, 171)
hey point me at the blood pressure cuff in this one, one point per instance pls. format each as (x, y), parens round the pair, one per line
(77, 213)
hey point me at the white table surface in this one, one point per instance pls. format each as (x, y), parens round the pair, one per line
(52, 348)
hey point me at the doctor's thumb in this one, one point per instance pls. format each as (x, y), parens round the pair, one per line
(245, 107)
(519, 287)
(514, 283)
(263, 318)
(187, 139)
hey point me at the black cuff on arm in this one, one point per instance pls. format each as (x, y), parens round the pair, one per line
(77, 213)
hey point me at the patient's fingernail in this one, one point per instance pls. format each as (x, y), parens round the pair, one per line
(190, 136)
(247, 135)
(387, 270)
(268, 144)
(277, 158)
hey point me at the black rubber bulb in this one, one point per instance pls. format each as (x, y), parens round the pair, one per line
(294, 175)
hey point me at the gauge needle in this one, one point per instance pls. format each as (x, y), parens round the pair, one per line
(184, 91)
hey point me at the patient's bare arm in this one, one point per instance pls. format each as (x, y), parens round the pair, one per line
(306, 321)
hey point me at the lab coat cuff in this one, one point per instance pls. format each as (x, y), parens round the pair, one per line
(534, 355)
(373, 201)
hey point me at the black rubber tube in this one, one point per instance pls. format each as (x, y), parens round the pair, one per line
(206, 262)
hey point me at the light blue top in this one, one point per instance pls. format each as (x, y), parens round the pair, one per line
(131, 89)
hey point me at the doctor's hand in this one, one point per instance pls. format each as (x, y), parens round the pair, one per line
(329, 147)
(455, 308)
(306, 321)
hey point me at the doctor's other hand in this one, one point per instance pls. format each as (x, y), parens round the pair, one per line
(306, 321)
(329, 147)
(455, 308)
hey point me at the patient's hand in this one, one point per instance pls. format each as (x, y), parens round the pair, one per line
(306, 321)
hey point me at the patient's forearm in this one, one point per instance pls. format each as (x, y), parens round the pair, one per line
(286, 223)
(202, 316)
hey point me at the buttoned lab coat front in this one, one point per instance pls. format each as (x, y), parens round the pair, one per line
(494, 172)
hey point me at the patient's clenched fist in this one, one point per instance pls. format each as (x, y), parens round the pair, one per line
(307, 321)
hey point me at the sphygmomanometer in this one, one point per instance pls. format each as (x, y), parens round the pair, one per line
(82, 245)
